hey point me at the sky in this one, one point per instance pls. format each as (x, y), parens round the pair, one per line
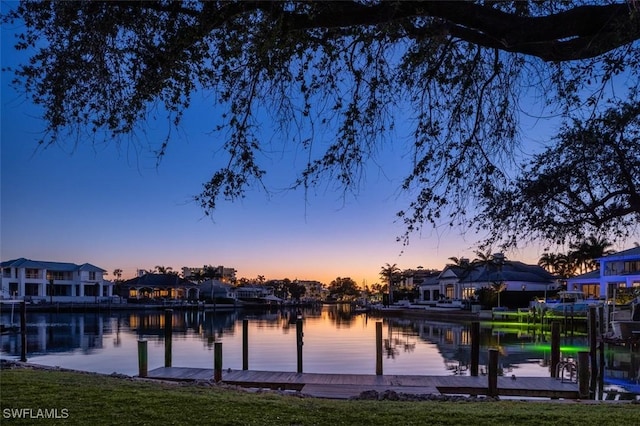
(114, 207)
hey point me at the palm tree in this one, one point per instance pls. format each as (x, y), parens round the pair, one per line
(163, 269)
(587, 251)
(498, 287)
(557, 263)
(197, 276)
(493, 262)
(597, 248)
(548, 261)
(117, 273)
(390, 274)
(483, 259)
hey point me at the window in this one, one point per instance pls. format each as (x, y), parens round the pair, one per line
(13, 289)
(449, 291)
(6, 272)
(632, 266)
(31, 289)
(62, 290)
(591, 290)
(92, 276)
(90, 290)
(612, 287)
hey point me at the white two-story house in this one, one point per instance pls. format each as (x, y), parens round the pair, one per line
(42, 281)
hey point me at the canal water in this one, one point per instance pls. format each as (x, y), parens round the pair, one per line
(335, 341)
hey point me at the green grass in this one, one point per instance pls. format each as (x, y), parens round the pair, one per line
(91, 399)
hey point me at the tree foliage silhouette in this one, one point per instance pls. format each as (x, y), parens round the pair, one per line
(340, 78)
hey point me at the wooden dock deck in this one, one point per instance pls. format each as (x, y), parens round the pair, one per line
(344, 386)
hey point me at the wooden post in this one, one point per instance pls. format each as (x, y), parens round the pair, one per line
(168, 331)
(217, 361)
(475, 347)
(245, 344)
(604, 319)
(572, 312)
(555, 348)
(601, 372)
(299, 335)
(583, 375)
(23, 331)
(593, 332)
(379, 348)
(143, 365)
(493, 373)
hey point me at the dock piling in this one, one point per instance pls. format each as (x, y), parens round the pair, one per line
(217, 361)
(593, 333)
(299, 335)
(475, 347)
(143, 365)
(245, 344)
(493, 373)
(555, 348)
(23, 331)
(379, 348)
(583, 375)
(168, 332)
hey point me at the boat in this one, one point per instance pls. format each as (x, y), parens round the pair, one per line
(569, 301)
(628, 328)
(625, 330)
(450, 304)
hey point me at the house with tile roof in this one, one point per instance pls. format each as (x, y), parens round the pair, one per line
(521, 281)
(617, 270)
(166, 287)
(45, 281)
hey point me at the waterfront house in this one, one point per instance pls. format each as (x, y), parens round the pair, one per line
(211, 290)
(521, 282)
(617, 271)
(255, 294)
(39, 281)
(159, 287)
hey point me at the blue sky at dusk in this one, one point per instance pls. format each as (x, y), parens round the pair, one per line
(113, 207)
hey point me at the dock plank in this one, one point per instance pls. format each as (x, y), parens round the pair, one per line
(349, 385)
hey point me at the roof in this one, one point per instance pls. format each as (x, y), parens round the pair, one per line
(158, 280)
(515, 271)
(589, 276)
(50, 266)
(215, 286)
(633, 252)
(510, 271)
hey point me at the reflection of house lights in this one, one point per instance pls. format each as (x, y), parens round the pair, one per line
(524, 287)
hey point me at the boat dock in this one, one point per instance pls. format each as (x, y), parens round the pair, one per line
(345, 386)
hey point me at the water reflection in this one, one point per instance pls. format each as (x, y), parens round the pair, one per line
(335, 341)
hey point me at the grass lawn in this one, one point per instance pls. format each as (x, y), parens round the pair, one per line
(92, 399)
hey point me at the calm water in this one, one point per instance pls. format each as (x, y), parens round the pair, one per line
(335, 341)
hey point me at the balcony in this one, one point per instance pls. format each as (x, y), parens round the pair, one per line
(37, 275)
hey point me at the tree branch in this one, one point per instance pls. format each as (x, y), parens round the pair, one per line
(579, 33)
